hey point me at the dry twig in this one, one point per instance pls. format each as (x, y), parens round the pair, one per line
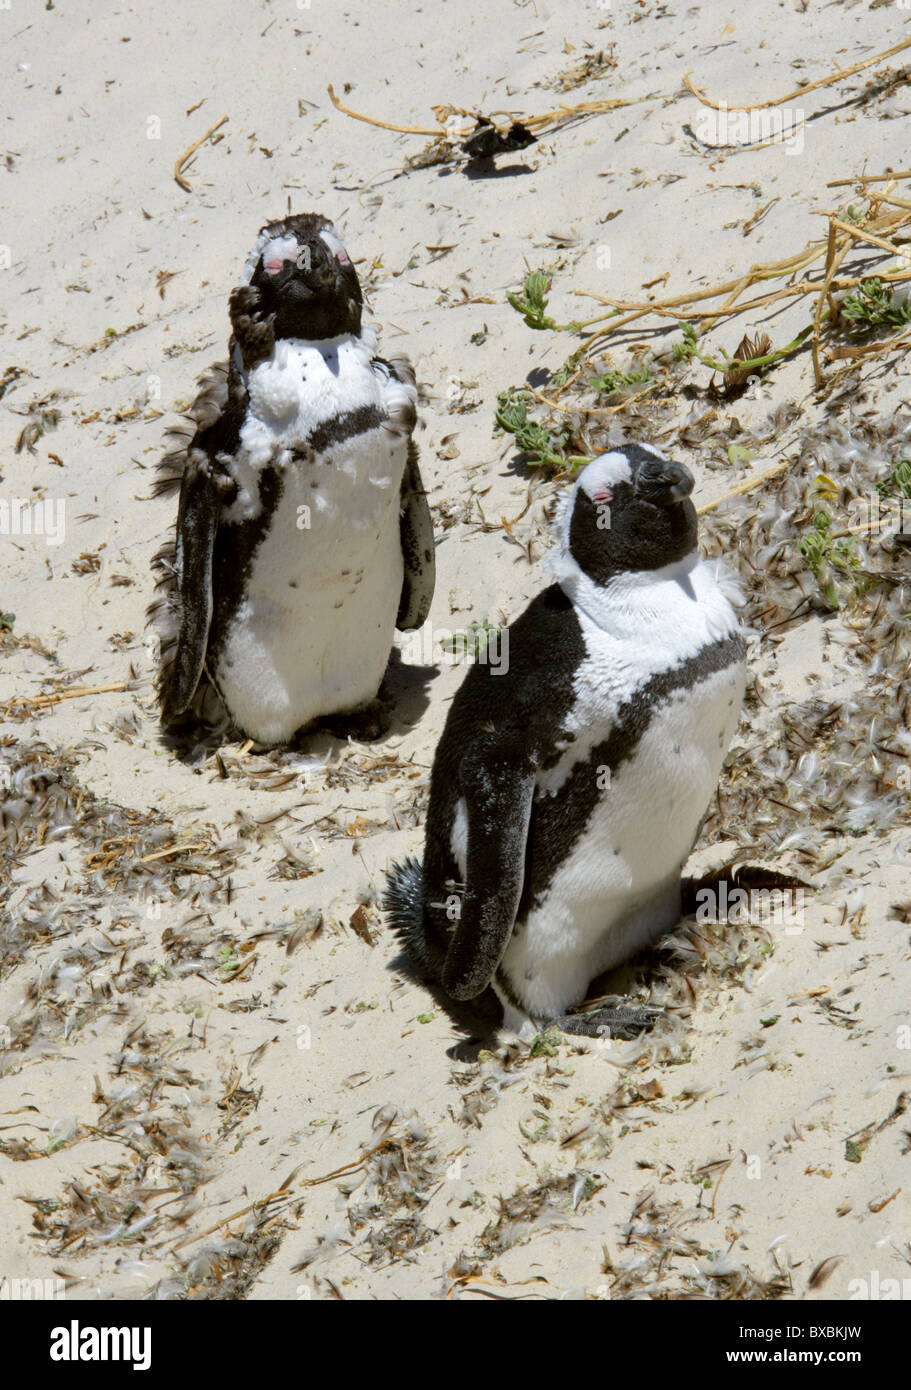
(182, 161)
(838, 76)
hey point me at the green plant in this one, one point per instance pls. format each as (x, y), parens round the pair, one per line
(562, 375)
(750, 364)
(611, 381)
(546, 1044)
(824, 554)
(471, 643)
(898, 481)
(901, 477)
(753, 361)
(687, 349)
(872, 306)
(532, 303)
(228, 959)
(543, 448)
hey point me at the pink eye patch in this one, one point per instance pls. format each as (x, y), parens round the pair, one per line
(603, 494)
(333, 241)
(279, 250)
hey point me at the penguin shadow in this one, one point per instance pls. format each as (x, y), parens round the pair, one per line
(486, 169)
(480, 1020)
(623, 984)
(476, 169)
(403, 699)
(621, 987)
(191, 742)
(476, 1019)
(406, 691)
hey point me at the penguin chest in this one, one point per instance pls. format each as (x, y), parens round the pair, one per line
(313, 628)
(649, 793)
(330, 557)
(614, 821)
(313, 631)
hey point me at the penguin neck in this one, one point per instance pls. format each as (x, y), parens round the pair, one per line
(629, 596)
(288, 353)
(303, 381)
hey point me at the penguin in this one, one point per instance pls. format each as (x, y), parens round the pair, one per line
(568, 789)
(303, 534)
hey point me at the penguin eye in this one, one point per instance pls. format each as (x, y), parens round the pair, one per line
(603, 494)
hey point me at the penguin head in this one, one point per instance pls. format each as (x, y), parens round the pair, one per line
(304, 277)
(629, 510)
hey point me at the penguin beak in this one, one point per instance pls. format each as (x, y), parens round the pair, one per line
(315, 266)
(663, 482)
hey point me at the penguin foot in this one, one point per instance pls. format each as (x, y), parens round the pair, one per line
(364, 725)
(620, 1022)
(733, 877)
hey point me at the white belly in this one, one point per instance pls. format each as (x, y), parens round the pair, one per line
(619, 887)
(314, 632)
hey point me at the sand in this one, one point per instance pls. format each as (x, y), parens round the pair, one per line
(191, 1035)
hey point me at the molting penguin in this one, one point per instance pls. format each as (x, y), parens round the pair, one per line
(567, 792)
(303, 532)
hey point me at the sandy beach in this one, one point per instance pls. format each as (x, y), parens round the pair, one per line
(217, 1080)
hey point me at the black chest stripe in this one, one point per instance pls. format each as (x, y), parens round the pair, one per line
(235, 548)
(340, 428)
(236, 544)
(557, 822)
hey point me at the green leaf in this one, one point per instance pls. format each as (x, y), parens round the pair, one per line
(533, 301)
(872, 306)
(612, 381)
(546, 1044)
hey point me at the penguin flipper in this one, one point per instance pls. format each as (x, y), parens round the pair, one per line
(498, 790)
(197, 522)
(418, 554)
(400, 396)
